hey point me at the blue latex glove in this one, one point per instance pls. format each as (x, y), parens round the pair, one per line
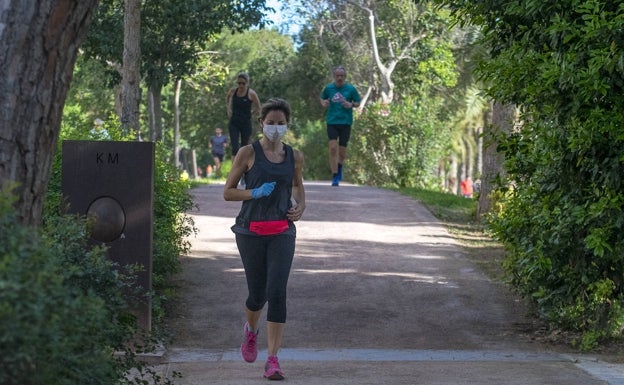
(263, 191)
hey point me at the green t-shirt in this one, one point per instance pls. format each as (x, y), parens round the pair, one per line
(336, 113)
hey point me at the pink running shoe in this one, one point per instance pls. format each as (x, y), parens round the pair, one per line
(272, 369)
(249, 350)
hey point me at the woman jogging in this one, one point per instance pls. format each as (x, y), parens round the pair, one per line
(241, 102)
(265, 233)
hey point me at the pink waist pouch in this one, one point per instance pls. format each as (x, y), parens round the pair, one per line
(268, 227)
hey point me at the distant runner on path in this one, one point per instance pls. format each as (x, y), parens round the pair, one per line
(340, 98)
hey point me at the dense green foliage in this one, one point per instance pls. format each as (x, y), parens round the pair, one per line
(561, 221)
(62, 311)
(398, 145)
(172, 225)
(313, 143)
(172, 32)
(48, 323)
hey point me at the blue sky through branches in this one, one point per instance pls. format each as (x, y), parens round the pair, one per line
(286, 22)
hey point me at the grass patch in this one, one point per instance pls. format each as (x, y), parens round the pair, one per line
(226, 166)
(446, 207)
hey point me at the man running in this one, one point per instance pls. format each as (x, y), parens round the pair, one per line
(339, 97)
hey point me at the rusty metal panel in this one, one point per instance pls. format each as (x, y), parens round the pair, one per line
(114, 182)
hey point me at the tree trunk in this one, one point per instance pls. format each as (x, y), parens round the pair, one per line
(176, 132)
(40, 40)
(453, 183)
(150, 116)
(468, 158)
(479, 136)
(385, 72)
(131, 72)
(156, 126)
(502, 119)
(194, 173)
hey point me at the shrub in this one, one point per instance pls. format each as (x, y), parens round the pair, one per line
(397, 145)
(562, 222)
(172, 226)
(58, 303)
(313, 143)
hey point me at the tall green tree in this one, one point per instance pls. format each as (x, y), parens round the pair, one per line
(173, 34)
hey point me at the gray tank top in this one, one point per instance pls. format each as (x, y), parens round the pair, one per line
(275, 206)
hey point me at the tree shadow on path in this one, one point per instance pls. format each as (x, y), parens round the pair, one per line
(373, 269)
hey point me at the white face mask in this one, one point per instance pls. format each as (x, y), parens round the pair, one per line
(274, 132)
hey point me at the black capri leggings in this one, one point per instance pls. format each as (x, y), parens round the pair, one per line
(267, 261)
(239, 130)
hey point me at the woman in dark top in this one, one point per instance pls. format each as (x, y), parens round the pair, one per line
(265, 233)
(242, 102)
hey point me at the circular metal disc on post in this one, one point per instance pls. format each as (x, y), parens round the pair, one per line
(109, 219)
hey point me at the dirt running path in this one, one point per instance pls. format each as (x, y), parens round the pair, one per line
(379, 293)
(372, 269)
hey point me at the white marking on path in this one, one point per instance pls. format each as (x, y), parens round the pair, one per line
(611, 373)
